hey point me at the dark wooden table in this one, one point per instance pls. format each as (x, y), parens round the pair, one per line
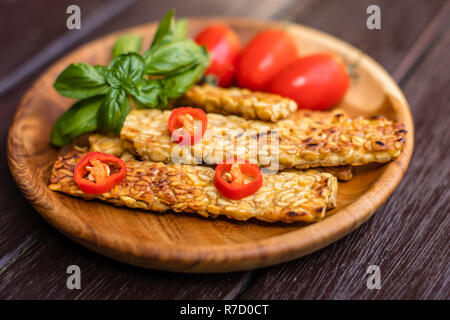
(408, 238)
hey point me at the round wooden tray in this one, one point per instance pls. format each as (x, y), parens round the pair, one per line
(187, 242)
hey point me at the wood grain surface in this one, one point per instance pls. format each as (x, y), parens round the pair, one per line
(181, 242)
(26, 238)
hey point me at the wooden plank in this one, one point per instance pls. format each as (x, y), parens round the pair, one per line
(426, 38)
(401, 24)
(408, 236)
(18, 220)
(32, 31)
(28, 267)
(44, 36)
(17, 225)
(146, 11)
(41, 273)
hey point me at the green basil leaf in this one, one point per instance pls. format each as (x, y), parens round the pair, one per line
(180, 29)
(80, 118)
(113, 111)
(176, 85)
(101, 70)
(114, 79)
(172, 57)
(127, 43)
(148, 94)
(80, 81)
(164, 28)
(126, 68)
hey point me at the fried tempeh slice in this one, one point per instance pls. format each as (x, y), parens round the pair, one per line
(242, 102)
(287, 196)
(300, 144)
(110, 144)
(342, 173)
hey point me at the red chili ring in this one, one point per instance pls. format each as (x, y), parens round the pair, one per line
(234, 190)
(176, 123)
(91, 187)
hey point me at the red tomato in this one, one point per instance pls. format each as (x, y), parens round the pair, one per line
(224, 45)
(317, 81)
(263, 57)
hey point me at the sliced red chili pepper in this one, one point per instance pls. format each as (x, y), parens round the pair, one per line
(99, 172)
(184, 125)
(231, 178)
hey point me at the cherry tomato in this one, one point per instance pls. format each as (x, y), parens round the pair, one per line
(263, 57)
(316, 82)
(223, 45)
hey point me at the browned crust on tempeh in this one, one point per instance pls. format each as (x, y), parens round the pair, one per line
(242, 102)
(302, 144)
(286, 196)
(110, 144)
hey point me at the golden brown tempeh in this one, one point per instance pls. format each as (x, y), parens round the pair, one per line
(287, 196)
(109, 144)
(301, 144)
(112, 145)
(245, 103)
(342, 173)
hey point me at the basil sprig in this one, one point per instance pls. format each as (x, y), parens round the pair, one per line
(79, 119)
(113, 111)
(165, 71)
(127, 43)
(169, 30)
(126, 69)
(81, 81)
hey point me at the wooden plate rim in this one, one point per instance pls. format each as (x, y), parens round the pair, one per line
(285, 246)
